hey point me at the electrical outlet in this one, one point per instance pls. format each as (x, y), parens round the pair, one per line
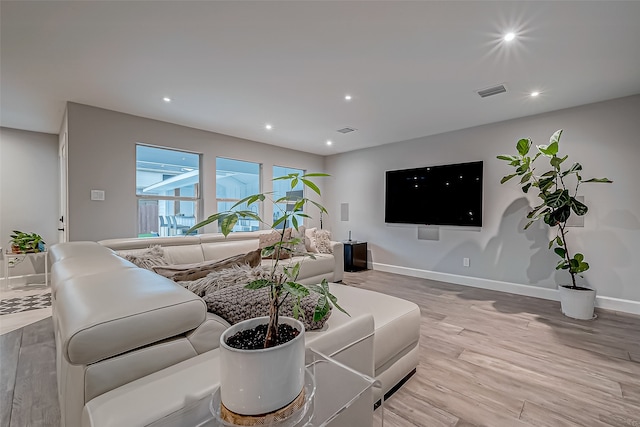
(465, 262)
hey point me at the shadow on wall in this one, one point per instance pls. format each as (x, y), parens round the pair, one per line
(508, 255)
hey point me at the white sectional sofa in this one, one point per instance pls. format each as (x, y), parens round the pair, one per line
(126, 336)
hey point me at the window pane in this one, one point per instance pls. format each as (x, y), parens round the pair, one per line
(236, 180)
(173, 176)
(159, 218)
(163, 172)
(283, 188)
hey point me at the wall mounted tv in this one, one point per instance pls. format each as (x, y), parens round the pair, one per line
(435, 195)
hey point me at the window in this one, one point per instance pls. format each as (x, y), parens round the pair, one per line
(282, 188)
(168, 190)
(236, 180)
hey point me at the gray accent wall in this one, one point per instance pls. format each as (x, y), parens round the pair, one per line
(604, 137)
(102, 157)
(28, 189)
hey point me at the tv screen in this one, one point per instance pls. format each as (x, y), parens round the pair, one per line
(435, 195)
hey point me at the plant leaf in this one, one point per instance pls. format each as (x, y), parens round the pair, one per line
(507, 178)
(258, 284)
(557, 199)
(555, 138)
(523, 146)
(307, 175)
(311, 185)
(227, 223)
(295, 289)
(525, 189)
(507, 158)
(579, 257)
(605, 180)
(578, 207)
(560, 251)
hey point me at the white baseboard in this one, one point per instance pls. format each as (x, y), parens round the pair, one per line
(608, 303)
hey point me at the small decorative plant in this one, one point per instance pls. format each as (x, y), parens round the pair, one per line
(22, 242)
(282, 280)
(558, 190)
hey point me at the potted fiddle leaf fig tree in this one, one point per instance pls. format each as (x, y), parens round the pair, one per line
(249, 351)
(557, 188)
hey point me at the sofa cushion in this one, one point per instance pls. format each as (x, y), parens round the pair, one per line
(397, 321)
(72, 267)
(237, 303)
(226, 248)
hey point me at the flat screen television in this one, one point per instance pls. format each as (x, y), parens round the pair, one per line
(435, 195)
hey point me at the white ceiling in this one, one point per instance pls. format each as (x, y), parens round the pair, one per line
(231, 67)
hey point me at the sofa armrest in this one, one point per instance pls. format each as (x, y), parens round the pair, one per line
(110, 313)
(338, 254)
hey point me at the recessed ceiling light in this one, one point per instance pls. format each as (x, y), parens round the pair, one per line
(329, 142)
(347, 97)
(535, 93)
(166, 99)
(268, 126)
(509, 36)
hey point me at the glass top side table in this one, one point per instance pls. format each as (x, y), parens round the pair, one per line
(343, 397)
(10, 259)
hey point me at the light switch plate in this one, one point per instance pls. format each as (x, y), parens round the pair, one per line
(97, 194)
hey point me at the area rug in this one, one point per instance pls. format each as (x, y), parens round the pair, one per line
(32, 302)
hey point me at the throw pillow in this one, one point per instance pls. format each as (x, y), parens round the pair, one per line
(310, 239)
(146, 258)
(190, 272)
(300, 247)
(270, 239)
(237, 303)
(220, 279)
(323, 241)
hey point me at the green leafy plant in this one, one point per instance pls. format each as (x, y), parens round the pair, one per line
(558, 190)
(282, 281)
(22, 242)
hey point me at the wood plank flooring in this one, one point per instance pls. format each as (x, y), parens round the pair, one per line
(495, 359)
(487, 359)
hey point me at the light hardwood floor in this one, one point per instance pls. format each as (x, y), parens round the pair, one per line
(487, 359)
(496, 359)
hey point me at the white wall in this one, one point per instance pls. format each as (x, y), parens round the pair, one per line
(102, 157)
(603, 137)
(28, 189)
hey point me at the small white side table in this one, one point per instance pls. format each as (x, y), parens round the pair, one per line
(11, 259)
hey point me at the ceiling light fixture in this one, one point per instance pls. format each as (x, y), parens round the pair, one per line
(347, 97)
(268, 126)
(509, 36)
(534, 94)
(329, 142)
(166, 99)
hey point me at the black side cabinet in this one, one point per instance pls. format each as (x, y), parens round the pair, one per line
(355, 256)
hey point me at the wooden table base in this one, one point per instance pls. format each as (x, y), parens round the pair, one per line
(262, 419)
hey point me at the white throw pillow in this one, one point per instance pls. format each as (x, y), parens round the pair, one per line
(310, 239)
(301, 247)
(323, 241)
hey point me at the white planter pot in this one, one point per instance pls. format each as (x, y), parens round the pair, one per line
(254, 382)
(577, 303)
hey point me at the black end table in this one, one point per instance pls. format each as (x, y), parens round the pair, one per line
(355, 255)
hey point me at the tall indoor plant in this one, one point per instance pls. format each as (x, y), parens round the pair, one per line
(278, 377)
(558, 190)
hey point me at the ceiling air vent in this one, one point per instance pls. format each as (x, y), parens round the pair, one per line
(492, 91)
(346, 130)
